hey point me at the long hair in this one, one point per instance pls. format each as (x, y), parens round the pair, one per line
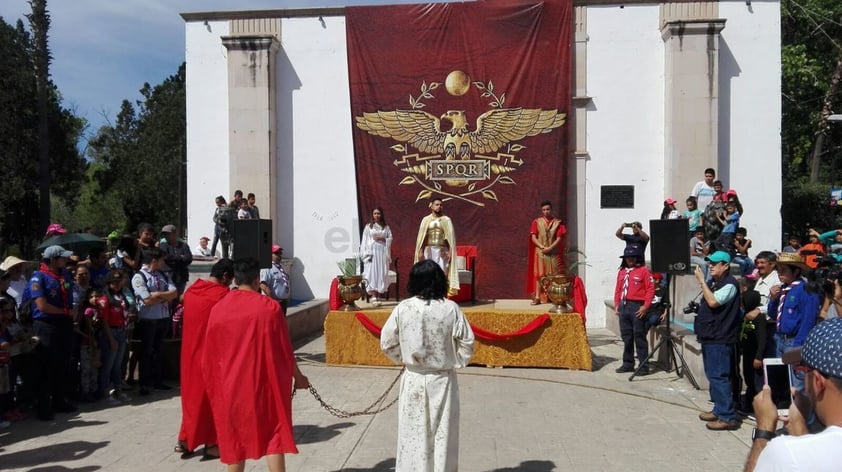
(427, 281)
(382, 217)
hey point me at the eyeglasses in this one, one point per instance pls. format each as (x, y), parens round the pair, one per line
(800, 370)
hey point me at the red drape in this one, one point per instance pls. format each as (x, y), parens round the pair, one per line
(413, 66)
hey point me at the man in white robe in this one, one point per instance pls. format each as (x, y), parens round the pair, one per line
(430, 335)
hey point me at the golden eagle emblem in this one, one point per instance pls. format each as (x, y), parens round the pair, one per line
(479, 153)
(494, 129)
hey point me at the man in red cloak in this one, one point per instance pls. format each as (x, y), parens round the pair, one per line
(249, 368)
(196, 418)
(545, 251)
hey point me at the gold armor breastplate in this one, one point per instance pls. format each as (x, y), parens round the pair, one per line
(435, 234)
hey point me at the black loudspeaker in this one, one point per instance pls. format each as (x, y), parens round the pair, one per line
(670, 243)
(252, 238)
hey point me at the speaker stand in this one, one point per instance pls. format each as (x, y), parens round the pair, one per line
(672, 350)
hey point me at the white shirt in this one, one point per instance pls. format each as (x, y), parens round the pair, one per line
(704, 194)
(764, 284)
(810, 452)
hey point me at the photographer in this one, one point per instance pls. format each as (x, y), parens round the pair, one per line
(717, 327)
(819, 364)
(637, 239)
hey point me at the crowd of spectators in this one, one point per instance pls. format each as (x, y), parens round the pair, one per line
(777, 303)
(75, 329)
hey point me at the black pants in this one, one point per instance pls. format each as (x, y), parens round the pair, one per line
(151, 334)
(752, 377)
(633, 333)
(53, 360)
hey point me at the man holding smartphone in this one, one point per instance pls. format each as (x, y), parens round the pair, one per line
(717, 327)
(818, 362)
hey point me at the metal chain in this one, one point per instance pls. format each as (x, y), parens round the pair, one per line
(339, 413)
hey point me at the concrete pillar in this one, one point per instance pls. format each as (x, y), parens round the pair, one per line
(578, 132)
(691, 88)
(252, 118)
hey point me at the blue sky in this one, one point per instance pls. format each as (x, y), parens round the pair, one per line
(103, 51)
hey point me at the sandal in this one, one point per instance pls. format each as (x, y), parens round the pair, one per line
(535, 302)
(210, 452)
(181, 448)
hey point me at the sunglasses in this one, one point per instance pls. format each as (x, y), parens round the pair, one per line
(800, 370)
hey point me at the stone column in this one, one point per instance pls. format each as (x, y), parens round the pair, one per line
(578, 132)
(252, 120)
(691, 88)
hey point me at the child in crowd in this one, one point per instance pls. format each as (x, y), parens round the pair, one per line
(832, 241)
(719, 195)
(794, 245)
(243, 212)
(812, 250)
(657, 313)
(741, 245)
(21, 343)
(113, 310)
(699, 249)
(6, 396)
(693, 215)
(730, 220)
(89, 358)
(670, 212)
(752, 341)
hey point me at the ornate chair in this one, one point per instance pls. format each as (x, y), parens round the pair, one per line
(466, 264)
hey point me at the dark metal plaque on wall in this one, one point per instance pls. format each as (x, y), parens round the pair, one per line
(616, 196)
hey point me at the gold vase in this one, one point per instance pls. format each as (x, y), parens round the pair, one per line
(557, 288)
(350, 290)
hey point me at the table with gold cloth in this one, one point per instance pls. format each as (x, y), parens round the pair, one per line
(561, 342)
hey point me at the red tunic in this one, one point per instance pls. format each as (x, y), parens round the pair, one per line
(535, 267)
(248, 366)
(196, 418)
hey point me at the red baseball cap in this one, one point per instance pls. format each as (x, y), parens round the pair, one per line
(276, 248)
(670, 201)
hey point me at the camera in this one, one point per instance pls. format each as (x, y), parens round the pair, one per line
(692, 307)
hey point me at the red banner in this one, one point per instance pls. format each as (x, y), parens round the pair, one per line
(466, 102)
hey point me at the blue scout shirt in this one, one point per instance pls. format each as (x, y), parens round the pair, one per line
(56, 293)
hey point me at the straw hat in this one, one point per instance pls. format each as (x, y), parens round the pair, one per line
(793, 259)
(12, 261)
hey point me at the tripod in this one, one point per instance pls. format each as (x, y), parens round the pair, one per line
(673, 352)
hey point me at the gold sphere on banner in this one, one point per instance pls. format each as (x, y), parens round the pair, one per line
(457, 83)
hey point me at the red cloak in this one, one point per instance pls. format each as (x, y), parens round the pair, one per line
(196, 417)
(248, 364)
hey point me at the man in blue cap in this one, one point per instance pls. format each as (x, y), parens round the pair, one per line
(818, 362)
(50, 291)
(717, 328)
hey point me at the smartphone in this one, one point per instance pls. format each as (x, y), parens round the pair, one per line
(776, 376)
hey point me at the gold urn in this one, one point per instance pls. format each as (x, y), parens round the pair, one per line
(557, 288)
(350, 290)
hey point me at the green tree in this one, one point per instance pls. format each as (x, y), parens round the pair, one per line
(811, 59)
(19, 143)
(140, 157)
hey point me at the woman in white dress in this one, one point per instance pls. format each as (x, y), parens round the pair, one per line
(375, 252)
(430, 335)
